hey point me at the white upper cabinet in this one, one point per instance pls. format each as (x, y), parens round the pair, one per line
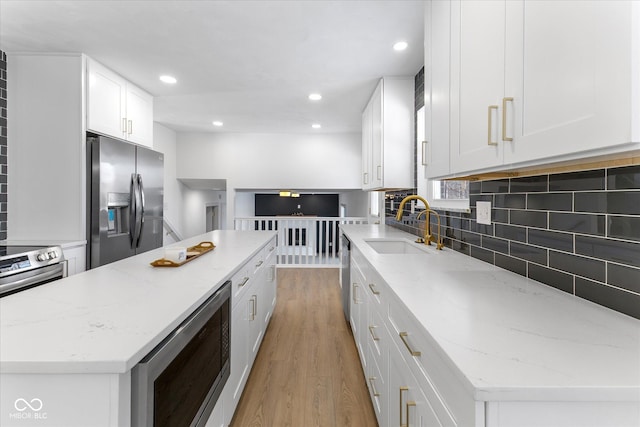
(569, 73)
(433, 155)
(387, 135)
(533, 82)
(118, 108)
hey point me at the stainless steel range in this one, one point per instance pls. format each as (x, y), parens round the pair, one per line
(23, 267)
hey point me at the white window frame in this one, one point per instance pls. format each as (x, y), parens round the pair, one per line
(456, 205)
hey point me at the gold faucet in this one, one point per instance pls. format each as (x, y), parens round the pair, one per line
(428, 237)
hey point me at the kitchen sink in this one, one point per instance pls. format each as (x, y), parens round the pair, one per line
(396, 246)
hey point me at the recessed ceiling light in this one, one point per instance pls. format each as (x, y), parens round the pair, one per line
(315, 97)
(217, 123)
(168, 79)
(400, 46)
(316, 126)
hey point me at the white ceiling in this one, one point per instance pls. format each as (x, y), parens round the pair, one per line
(249, 64)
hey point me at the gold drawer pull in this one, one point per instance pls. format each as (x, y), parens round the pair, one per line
(409, 404)
(373, 387)
(259, 263)
(400, 412)
(403, 337)
(372, 287)
(244, 282)
(375, 338)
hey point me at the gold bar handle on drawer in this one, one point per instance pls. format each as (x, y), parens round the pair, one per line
(403, 337)
(408, 405)
(355, 295)
(373, 386)
(254, 304)
(504, 119)
(372, 287)
(490, 124)
(244, 282)
(373, 335)
(259, 263)
(400, 412)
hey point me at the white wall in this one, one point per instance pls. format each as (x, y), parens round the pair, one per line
(270, 161)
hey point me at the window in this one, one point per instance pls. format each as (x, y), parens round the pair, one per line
(451, 195)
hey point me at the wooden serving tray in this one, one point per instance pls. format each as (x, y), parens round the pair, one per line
(193, 252)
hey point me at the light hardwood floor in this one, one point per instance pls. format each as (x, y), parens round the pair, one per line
(307, 372)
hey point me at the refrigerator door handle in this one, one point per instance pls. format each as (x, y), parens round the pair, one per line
(137, 216)
(141, 209)
(133, 209)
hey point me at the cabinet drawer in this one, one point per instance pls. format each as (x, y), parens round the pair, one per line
(240, 283)
(377, 337)
(451, 401)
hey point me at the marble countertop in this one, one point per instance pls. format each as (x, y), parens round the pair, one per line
(508, 337)
(107, 319)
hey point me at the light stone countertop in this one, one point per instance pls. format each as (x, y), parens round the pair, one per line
(64, 244)
(107, 319)
(508, 337)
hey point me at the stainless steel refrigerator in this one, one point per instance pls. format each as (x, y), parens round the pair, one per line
(125, 199)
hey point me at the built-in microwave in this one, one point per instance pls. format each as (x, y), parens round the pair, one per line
(178, 383)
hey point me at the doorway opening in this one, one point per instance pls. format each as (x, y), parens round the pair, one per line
(212, 216)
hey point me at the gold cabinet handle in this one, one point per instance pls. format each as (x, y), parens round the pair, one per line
(402, 389)
(355, 298)
(244, 282)
(490, 124)
(372, 287)
(365, 177)
(130, 127)
(408, 405)
(424, 153)
(504, 119)
(403, 337)
(373, 386)
(373, 335)
(124, 125)
(254, 304)
(379, 172)
(259, 263)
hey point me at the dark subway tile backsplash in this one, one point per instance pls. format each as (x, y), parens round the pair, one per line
(528, 218)
(548, 276)
(578, 232)
(529, 184)
(578, 181)
(577, 223)
(623, 178)
(622, 301)
(550, 201)
(551, 239)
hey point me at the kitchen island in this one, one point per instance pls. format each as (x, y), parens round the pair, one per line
(67, 348)
(471, 344)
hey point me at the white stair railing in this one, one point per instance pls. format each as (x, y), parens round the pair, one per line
(303, 241)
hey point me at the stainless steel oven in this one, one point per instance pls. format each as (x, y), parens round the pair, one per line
(24, 267)
(179, 382)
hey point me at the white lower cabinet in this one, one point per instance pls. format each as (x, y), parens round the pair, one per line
(407, 404)
(409, 382)
(358, 312)
(253, 300)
